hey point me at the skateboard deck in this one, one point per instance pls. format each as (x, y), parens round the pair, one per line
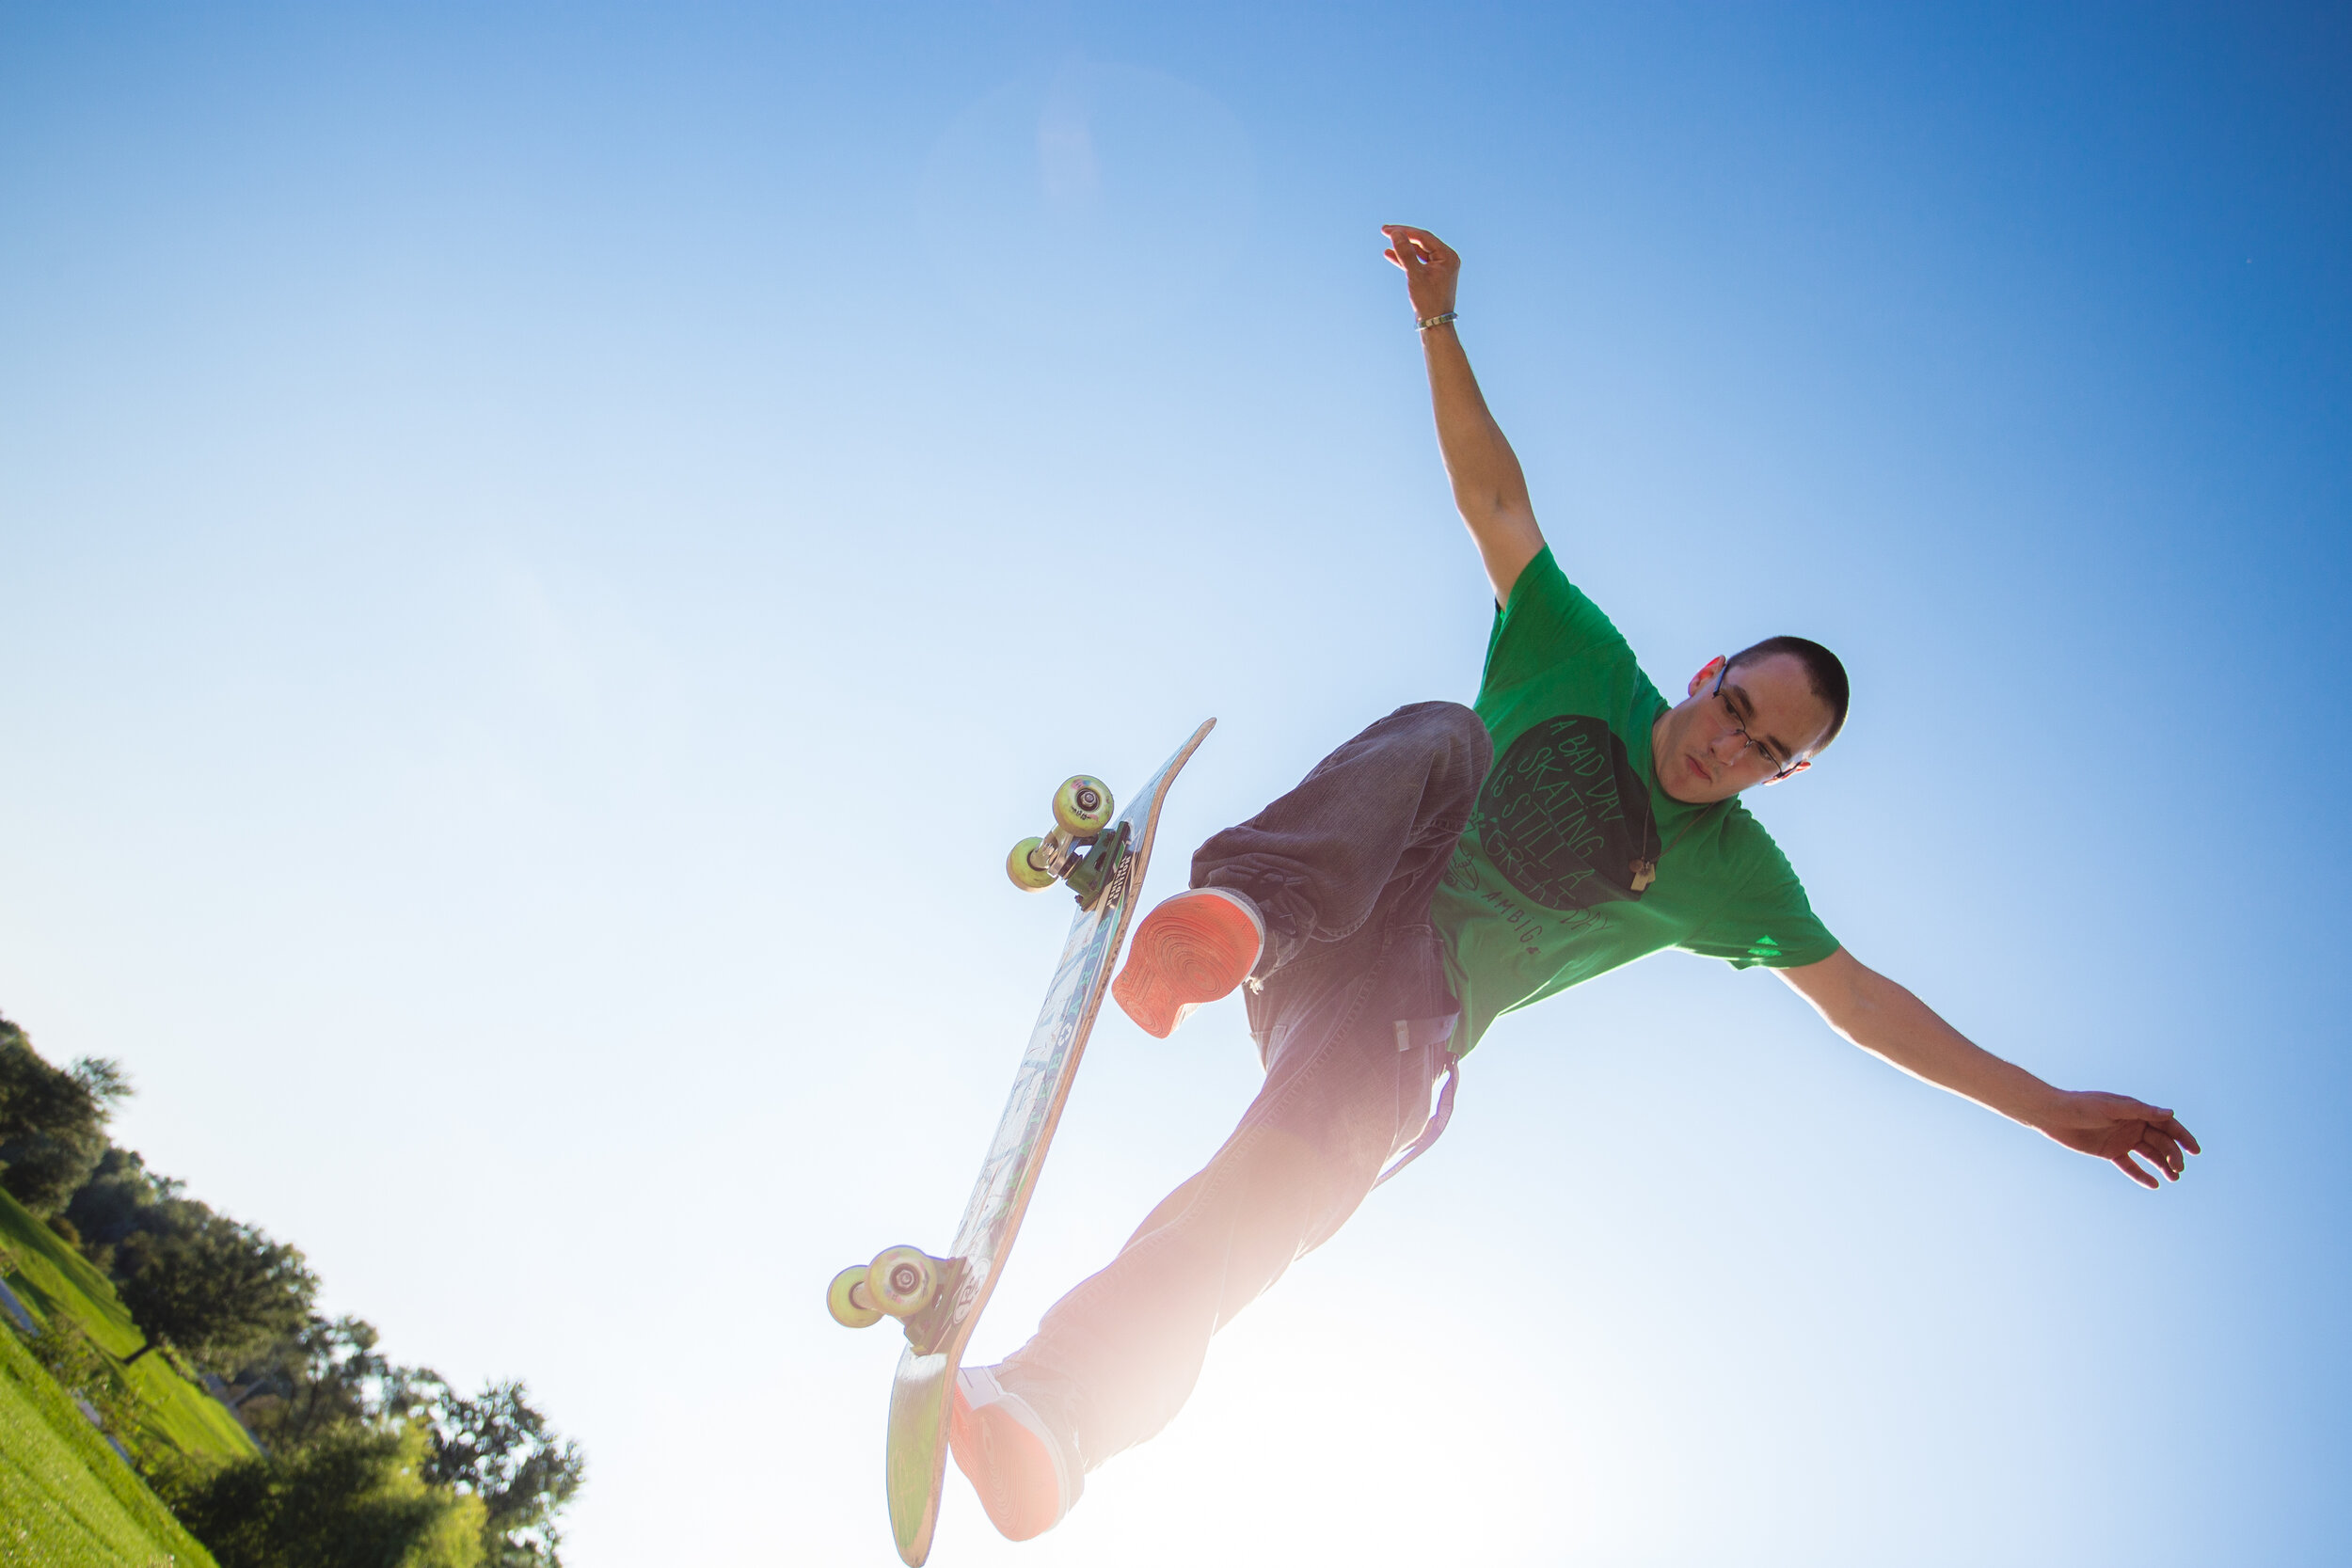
(921, 1395)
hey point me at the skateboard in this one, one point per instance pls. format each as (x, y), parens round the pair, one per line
(937, 1301)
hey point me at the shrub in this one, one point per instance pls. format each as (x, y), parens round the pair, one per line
(355, 1497)
(90, 1375)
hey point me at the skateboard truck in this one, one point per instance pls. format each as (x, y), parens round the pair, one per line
(1078, 851)
(902, 1282)
(1104, 867)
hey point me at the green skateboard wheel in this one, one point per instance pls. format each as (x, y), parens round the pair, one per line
(1082, 806)
(849, 1300)
(901, 1281)
(1026, 872)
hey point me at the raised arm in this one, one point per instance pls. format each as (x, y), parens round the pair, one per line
(1888, 1020)
(1488, 489)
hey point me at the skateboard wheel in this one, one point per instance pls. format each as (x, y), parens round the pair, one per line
(1082, 806)
(1026, 872)
(901, 1281)
(849, 1300)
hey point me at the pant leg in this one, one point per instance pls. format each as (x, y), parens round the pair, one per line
(1117, 1357)
(1343, 868)
(1375, 820)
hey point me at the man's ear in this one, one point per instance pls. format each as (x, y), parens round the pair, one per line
(1791, 773)
(1708, 672)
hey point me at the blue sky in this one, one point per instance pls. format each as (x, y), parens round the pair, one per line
(549, 551)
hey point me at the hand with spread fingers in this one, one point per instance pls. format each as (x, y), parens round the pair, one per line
(2115, 1127)
(1431, 268)
(1885, 1019)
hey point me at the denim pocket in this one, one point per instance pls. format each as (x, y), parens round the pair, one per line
(1413, 988)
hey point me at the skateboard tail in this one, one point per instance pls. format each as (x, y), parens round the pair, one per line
(918, 1404)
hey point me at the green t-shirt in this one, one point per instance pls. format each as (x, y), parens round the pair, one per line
(1575, 860)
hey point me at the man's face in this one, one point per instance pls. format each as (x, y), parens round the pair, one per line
(1697, 746)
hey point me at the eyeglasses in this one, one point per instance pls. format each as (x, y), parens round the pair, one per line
(1731, 715)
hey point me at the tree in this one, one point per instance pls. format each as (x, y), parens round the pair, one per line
(498, 1446)
(495, 1446)
(216, 1290)
(355, 1497)
(120, 1197)
(323, 1375)
(53, 1122)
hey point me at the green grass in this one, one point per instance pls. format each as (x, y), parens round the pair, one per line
(51, 1278)
(66, 1500)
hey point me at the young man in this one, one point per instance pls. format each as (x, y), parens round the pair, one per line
(1443, 868)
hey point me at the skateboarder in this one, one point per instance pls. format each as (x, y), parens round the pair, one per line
(1445, 867)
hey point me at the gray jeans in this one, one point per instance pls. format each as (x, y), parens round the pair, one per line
(1353, 1022)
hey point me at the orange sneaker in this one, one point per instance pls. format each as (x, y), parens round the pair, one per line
(1025, 1475)
(1193, 948)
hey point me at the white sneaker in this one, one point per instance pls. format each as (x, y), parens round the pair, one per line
(1026, 1475)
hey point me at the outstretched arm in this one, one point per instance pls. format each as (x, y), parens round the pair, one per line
(1488, 489)
(1888, 1020)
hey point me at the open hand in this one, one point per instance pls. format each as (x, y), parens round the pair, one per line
(1431, 269)
(2115, 1127)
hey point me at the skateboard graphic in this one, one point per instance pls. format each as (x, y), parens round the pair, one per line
(938, 1301)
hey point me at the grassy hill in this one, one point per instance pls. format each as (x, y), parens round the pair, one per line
(66, 1500)
(51, 1278)
(66, 1497)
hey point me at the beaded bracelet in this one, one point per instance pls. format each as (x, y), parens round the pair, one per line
(1428, 321)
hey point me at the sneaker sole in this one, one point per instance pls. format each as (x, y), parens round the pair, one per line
(1192, 949)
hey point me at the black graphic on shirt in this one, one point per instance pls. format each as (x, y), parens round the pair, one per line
(1565, 819)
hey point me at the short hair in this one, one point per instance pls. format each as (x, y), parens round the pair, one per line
(1823, 671)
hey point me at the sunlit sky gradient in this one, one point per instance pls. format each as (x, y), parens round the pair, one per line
(549, 551)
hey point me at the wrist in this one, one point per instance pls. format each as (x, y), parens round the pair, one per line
(2038, 1104)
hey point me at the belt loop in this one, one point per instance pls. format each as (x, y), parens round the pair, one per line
(1404, 1034)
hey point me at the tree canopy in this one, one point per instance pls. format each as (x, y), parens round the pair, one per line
(353, 1497)
(215, 1289)
(122, 1198)
(53, 1122)
(495, 1446)
(499, 1447)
